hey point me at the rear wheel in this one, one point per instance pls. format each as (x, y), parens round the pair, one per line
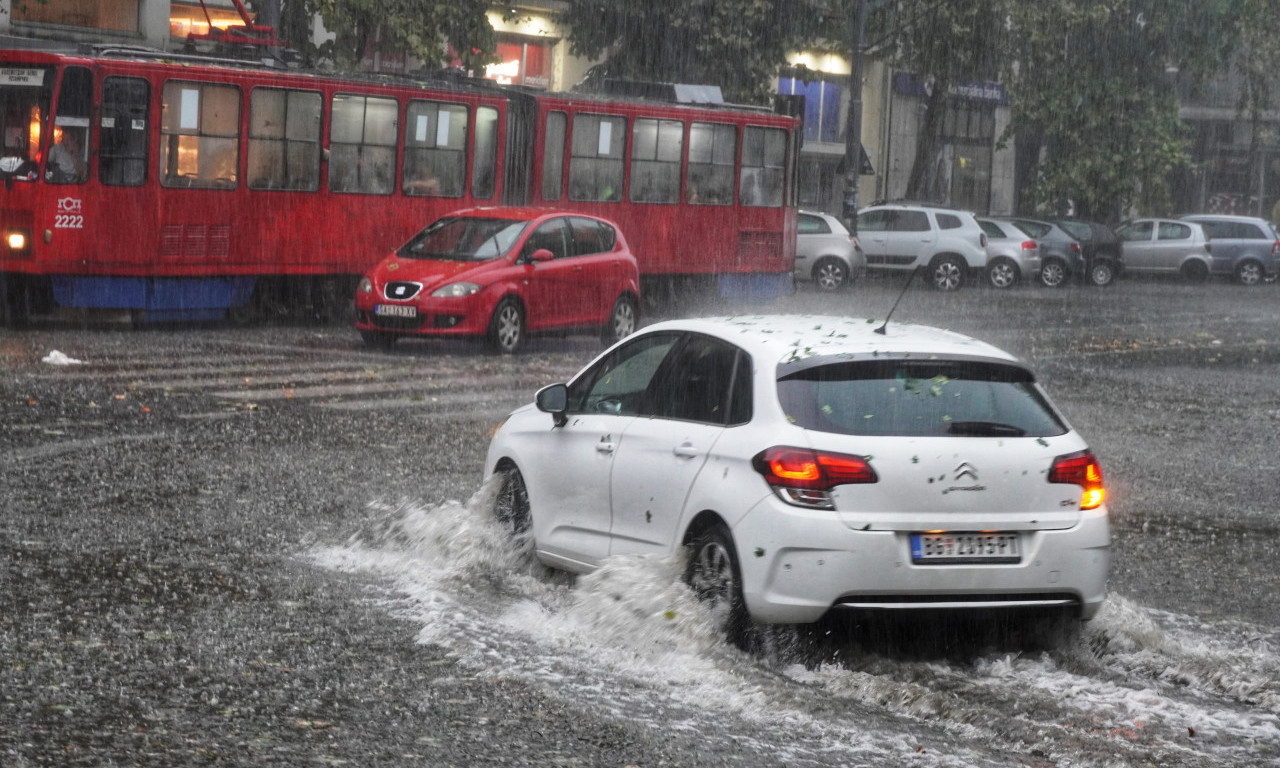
(1053, 273)
(1249, 273)
(1003, 273)
(1195, 272)
(714, 576)
(946, 273)
(830, 274)
(622, 321)
(506, 327)
(1102, 273)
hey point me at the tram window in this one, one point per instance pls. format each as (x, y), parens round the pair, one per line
(657, 147)
(713, 149)
(122, 131)
(199, 135)
(595, 164)
(553, 157)
(362, 144)
(484, 165)
(68, 160)
(764, 164)
(24, 112)
(284, 139)
(435, 149)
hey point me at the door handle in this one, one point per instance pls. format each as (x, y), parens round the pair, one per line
(605, 445)
(685, 450)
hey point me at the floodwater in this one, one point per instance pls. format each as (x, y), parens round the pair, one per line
(1136, 686)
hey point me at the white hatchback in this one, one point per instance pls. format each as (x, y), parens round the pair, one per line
(811, 464)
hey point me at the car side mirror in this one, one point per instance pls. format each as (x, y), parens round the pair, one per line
(542, 254)
(554, 399)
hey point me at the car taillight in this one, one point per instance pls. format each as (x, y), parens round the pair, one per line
(805, 477)
(1275, 248)
(1029, 245)
(1075, 248)
(1080, 469)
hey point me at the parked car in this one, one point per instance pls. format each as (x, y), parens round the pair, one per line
(826, 253)
(1061, 257)
(1243, 247)
(812, 464)
(1012, 254)
(947, 243)
(500, 274)
(1103, 252)
(1166, 246)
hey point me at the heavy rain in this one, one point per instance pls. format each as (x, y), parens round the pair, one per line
(244, 517)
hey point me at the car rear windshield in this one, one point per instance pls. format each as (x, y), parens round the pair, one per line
(464, 238)
(914, 398)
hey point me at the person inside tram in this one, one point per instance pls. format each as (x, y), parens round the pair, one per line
(66, 163)
(15, 160)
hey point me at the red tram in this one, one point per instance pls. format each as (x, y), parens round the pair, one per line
(186, 188)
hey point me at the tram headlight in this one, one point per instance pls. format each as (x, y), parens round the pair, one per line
(17, 241)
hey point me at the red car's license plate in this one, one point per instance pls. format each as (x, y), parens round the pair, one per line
(396, 310)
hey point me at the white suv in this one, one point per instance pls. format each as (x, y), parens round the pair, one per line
(948, 243)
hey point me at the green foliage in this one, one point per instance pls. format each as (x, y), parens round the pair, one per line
(736, 44)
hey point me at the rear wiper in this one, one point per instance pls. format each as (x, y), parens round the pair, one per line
(985, 429)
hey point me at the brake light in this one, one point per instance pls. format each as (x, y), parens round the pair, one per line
(1275, 248)
(805, 478)
(1080, 469)
(1075, 248)
(1029, 245)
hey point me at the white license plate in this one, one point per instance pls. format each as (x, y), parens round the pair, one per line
(951, 548)
(396, 310)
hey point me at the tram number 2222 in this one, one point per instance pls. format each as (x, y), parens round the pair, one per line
(68, 215)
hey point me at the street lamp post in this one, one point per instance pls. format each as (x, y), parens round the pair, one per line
(853, 134)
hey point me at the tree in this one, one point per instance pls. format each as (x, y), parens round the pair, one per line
(736, 44)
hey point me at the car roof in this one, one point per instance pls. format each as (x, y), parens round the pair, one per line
(791, 338)
(517, 213)
(1223, 217)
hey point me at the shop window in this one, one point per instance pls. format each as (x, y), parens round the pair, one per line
(362, 144)
(823, 107)
(284, 139)
(657, 147)
(114, 15)
(199, 135)
(522, 62)
(713, 149)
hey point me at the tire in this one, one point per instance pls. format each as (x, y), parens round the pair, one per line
(507, 327)
(379, 340)
(830, 274)
(1102, 273)
(1250, 273)
(946, 273)
(1195, 272)
(511, 506)
(1003, 274)
(1053, 273)
(622, 321)
(712, 572)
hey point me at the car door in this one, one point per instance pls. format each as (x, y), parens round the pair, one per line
(910, 238)
(1174, 243)
(1140, 254)
(692, 400)
(569, 471)
(547, 287)
(597, 272)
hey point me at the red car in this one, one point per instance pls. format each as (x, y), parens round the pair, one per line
(502, 274)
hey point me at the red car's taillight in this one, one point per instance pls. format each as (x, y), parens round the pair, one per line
(805, 477)
(1080, 469)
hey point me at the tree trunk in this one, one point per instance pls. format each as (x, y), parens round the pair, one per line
(922, 167)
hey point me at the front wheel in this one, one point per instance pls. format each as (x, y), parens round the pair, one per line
(506, 327)
(1053, 273)
(947, 273)
(715, 578)
(1102, 273)
(511, 506)
(622, 321)
(831, 274)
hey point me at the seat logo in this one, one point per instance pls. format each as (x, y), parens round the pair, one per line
(401, 290)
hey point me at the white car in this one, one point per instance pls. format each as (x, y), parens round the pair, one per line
(811, 464)
(826, 253)
(946, 243)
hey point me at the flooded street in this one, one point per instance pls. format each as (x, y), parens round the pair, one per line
(271, 546)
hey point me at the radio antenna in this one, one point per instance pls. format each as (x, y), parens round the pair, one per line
(902, 293)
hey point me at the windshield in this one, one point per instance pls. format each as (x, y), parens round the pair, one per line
(464, 238)
(918, 399)
(24, 108)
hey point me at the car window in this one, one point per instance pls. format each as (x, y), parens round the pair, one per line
(874, 221)
(1137, 231)
(697, 382)
(935, 398)
(1082, 232)
(590, 236)
(549, 235)
(619, 383)
(463, 239)
(1033, 228)
(909, 221)
(949, 221)
(1172, 230)
(811, 225)
(992, 229)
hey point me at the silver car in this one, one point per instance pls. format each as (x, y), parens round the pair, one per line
(1012, 254)
(826, 253)
(1166, 246)
(1244, 248)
